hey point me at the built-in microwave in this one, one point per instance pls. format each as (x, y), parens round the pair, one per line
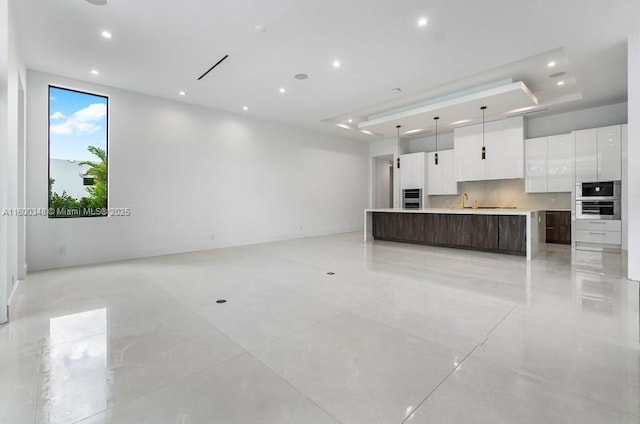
(601, 190)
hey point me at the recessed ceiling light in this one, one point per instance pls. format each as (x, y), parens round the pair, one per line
(95, 72)
(345, 126)
(422, 22)
(97, 2)
(282, 90)
(462, 121)
(182, 93)
(413, 131)
(301, 76)
(396, 90)
(560, 83)
(367, 132)
(350, 120)
(245, 108)
(106, 34)
(551, 64)
(259, 28)
(336, 63)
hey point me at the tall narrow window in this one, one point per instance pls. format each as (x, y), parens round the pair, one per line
(78, 132)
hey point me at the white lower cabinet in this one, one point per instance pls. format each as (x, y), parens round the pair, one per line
(441, 178)
(598, 231)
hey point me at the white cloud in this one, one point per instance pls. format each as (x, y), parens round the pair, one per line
(82, 121)
(57, 115)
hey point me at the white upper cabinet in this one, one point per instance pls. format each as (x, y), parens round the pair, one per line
(504, 143)
(586, 148)
(536, 160)
(609, 153)
(441, 178)
(549, 164)
(467, 144)
(598, 154)
(560, 163)
(412, 171)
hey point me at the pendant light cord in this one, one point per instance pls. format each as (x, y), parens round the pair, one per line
(484, 150)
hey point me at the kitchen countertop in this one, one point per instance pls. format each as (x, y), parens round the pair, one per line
(467, 211)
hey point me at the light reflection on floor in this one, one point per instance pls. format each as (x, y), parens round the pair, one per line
(76, 366)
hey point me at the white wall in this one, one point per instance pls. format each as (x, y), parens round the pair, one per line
(194, 178)
(428, 144)
(11, 70)
(4, 175)
(633, 156)
(563, 123)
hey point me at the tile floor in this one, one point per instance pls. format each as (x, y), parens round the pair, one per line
(400, 333)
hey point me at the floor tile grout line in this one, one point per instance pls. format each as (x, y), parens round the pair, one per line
(459, 365)
(295, 388)
(165, 386)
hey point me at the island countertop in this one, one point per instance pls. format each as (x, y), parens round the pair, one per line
(523, 228)
(478, 211)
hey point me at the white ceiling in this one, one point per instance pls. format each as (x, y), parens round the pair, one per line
(160, 47)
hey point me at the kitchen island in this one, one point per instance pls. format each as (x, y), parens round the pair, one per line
(510, 231)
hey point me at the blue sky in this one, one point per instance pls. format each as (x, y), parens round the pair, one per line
(76, 120)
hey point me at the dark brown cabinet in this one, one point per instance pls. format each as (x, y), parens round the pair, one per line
(496, 233)
(558, 227)
(512, 233)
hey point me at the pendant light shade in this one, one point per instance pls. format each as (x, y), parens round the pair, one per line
(484, 149)
(436, 155)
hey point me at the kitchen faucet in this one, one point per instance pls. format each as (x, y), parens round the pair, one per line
(464, 196)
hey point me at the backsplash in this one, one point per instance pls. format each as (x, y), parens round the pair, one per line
(502, 193)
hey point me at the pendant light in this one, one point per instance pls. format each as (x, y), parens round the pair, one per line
(436, 155)
(398, 128)
(484, 149)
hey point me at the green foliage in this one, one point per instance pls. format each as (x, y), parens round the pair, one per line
(65, 205)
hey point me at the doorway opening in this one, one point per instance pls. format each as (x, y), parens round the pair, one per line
(383, 181)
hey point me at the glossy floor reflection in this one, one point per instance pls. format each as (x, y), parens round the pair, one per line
(399, 333)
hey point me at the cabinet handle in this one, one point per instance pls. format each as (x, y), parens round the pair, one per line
(598, 234)
(597, 222)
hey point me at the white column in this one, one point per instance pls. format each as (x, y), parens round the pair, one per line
(633, 168)
(4, 173)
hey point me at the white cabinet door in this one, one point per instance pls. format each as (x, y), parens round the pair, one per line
(609, 153)
(407, 172)
(496, 145)
(536, 159)
(412, 172)
(504, 142)
(447, 164)
(560, 163)
(467, 144)
(441, 178)
(512, 165)
(586, 157)
(434, 174)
